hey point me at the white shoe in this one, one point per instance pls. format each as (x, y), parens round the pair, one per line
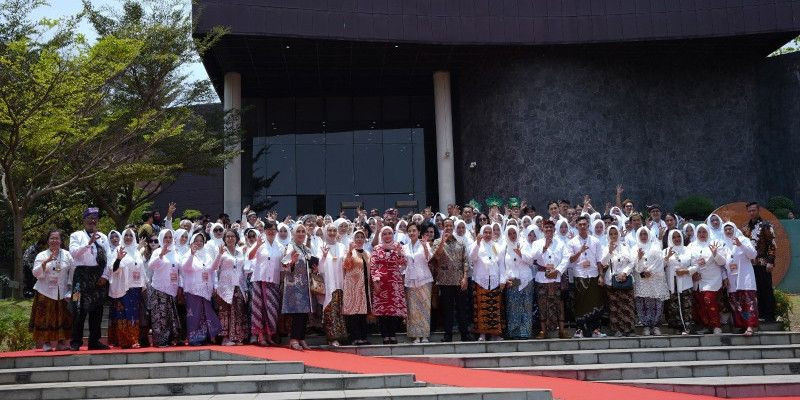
(684, 333)
(656, 331)
(416, 341)
(228, 343)
(497, 338)
(618, 334)
(718, 331)
(578, 334)
(598, 334)
(425, 340)
(46, 347)
(482, 338)
(646, 331)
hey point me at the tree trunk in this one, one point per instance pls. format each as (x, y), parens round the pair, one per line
(19, 275)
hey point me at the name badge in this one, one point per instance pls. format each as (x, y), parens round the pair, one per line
(137, 276)
(173, 277)
(205, 276)
(52, 281)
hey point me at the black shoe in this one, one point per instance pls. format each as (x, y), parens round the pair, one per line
(393, 341)
(74, 348)
(466, 337)
(447, 339)
(98, 346)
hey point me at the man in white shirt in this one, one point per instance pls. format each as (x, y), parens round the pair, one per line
(584, 252)
(88, 248)
(550, 263)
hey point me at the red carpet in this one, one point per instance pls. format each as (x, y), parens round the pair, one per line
(563, 389)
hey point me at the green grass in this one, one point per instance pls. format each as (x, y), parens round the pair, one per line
(14, 316)
(794, 316)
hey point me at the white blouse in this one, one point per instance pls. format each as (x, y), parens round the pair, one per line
(267, 264)
(231, 273)
(554, 255)
(680, 261)
(54, 280)
(130, 274)
(738, 266)
(518, 266)
(417, 272)
(708, 266)
(198, 275)
(166, 271)
(488, 264)
(654, 286)
(618, 262)
(332, 268)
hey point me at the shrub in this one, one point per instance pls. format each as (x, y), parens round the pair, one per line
(192, 214)
(776, 203)
(783, 307)
(782, 213)
(14, 317)
(694, 207)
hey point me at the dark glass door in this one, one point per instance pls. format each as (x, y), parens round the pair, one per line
(310, 204)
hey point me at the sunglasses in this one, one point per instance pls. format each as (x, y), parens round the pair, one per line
(154, 241)
(217, 230)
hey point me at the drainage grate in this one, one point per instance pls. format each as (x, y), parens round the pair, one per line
(23, 377)
(176, 388)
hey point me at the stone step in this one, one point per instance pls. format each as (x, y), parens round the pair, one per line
(656, 370)
(216, 385)
(509, 346)
(427, 393)
(147, 371)
(608, 356)
(62, 359)
(726, 387)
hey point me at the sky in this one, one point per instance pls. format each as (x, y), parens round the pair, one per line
(62, 8)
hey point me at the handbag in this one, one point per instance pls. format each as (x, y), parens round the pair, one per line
(317, 284)
(624, 285)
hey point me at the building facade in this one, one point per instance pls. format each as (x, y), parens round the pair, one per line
(436, 101)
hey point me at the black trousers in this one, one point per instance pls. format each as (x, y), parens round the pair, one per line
(356, 326)
(95, 315)
(299, 323)
(389, 325)
(90, 305)
(766, 295)
(455, 305)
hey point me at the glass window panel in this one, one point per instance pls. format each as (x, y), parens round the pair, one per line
(339, 137)
(397, 136)
(371, 201)
(281, 161)
(281, 139)
(310, 169)
(310, 138)
(397, 168)
(368, 171)
(368, 136)
(418, 135)
(419, 169)
(285, 205)
(339, 168)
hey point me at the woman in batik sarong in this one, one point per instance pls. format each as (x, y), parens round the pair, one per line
(619, 283)
(519, 286)
(127, 280)
(741, 279)
(202, 323)
(331, 263)
(296, 301)
(419, 283)
(489, 277)
(678, 261)
(388, 294)
(51, 320)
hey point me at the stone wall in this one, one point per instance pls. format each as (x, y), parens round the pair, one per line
(562, 123)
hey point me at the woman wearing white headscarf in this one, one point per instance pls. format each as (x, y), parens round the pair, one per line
(388, 294)
(419, 283)
(127, 281)
(265, 260)
(709, 259)
(400, 235)
(331, 266)
(202, 323)
(650, 288)
(678, 260)
(714, 223)
(165, 264)
(519, 286)
(688, 234)
(298, 263)
(598, 230)
(232, 291)
(488, 274)
(50, 319)
(284, 234)
(741, 279)
(619, 283)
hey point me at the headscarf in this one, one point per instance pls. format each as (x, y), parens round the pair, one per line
(400, 237)
(325, 237)
(717, 234)
(118, 235)
(216, 242)
(201, 252)
(380, 235)
(565, 237)
(602, 237)
(464, 239)
(537, 220)
(284, 242)
(505, 235)
(181, 249)
(677, 249)
(131, 248)
(645, 246)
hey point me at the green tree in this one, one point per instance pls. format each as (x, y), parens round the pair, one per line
(193, 139)
(58, 128)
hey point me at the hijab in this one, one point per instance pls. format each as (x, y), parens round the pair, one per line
(400, 237)
(284, 242)
(380, 235)
(647, 245)
(176, 237)
(565, 237)
(602, 237)
(715, 234)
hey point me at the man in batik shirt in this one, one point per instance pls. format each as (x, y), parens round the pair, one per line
(763, 237)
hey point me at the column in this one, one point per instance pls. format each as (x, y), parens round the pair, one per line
(232, 187)
(444, 139)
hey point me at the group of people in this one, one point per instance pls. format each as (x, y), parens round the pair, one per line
(506, 273)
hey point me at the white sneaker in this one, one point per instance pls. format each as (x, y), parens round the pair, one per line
(482, 338)
(598, 334)
(416, 341)
(646, 331)
(228, 343)
(497, 338)
(656, 331)
(46, 347)
(618, 334)
(425, 340)
(718, 331)
(578, 334)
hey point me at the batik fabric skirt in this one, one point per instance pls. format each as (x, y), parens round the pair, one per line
(551, 307)
(588, 304)
(519, 311)
(202, 324)
(649, 311)
(233, 318)
(708, 309)
(418, 300)
(489, 315)
(50, 319)
(333, 319)
(744, 306)
(124, 325)
(621, 310)
(265, 304)
(679, 311)
(164, 321)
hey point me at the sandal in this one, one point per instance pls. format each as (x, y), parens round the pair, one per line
(295, 345)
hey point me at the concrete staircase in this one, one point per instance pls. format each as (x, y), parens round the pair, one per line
(207, 373)
(767, 364)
